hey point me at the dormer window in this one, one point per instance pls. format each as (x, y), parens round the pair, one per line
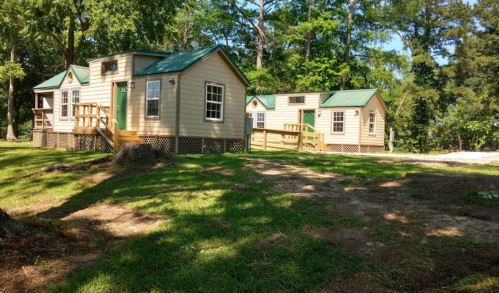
(110, 67)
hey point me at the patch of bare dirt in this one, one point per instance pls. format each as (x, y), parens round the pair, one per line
(117, 221)
(425, 163)
(419, 232)
(362, 282)
(48, 248)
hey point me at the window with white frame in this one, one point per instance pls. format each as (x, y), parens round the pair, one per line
(260, 120)
(64, 104)
(75, 99)
(372, 123)
(297, 100)
(338, 123)
(214, 102)
(152, 99)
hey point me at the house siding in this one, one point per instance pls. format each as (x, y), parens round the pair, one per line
(269, 114)
(66, 125)
(378, 138)
(290, 113)
(136, 106)
(351, 126)
(101, 86)
(192, 102)
(140, 62)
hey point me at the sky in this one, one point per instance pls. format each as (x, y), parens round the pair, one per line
(396, 43)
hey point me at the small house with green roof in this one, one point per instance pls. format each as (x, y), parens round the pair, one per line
(348, 121)
(190, 101)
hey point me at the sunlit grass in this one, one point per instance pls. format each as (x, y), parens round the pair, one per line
(225, 230)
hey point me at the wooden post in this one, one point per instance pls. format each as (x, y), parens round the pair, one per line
(69, 140)
(202, 145)
(225, 145)
(176, 144)
(77, 110)
(116, 139)
(342, 148)
(36, 101)
(43, 119)
(264, 139)
(57, 141)
(367, 148)
(156, 144)
(300, 142)
(96, 143)
(97, 114)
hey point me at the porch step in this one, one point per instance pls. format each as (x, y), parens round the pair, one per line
(126, 133)
(127, 136)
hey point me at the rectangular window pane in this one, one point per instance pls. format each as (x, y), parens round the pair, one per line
(372, 123)
(75, 99)
(64, 104)
(260, 120)
(338, 121)
(152, 99)
(214, 102)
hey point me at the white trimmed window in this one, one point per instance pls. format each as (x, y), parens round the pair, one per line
(260, 120)
(338, 123)
(152, 99)
(372, 123)
(75, 99)
(214, 102)
(297, 100)
(64, 104)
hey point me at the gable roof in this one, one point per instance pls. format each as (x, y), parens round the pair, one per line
(52, 83)
(350, 98)
(181, 61)
(268, 101)
(82, 74)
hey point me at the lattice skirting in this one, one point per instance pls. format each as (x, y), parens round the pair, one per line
(70, 141)
(194, 145)
(352, 148)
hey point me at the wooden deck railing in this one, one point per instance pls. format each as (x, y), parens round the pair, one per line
(313, 138)
(90, 116)
(43, 118)
(276, 139)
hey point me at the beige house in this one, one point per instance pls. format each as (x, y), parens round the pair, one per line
(190, 102)
(349, 121)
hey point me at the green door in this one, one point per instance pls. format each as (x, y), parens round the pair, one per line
(309, 118)
(121, 103)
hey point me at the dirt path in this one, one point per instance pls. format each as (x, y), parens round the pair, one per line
(447, 158)
(415, 231)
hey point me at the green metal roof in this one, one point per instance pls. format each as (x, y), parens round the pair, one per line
(268, 101)
(146, 52)
(52, 83)
(351, 98)
(82, 73)
(180, 61)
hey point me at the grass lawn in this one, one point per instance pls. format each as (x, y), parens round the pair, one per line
(226, 229)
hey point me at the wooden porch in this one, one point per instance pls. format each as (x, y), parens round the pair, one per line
(294, 136)
(96, 119)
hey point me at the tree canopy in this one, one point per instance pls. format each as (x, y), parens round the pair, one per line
(441, 87)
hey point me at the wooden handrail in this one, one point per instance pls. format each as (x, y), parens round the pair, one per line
(90, 116)
(41, 117)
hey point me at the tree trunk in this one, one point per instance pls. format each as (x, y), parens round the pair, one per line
(460, 140)
(309, 37)
(7, 223)
(346, 56)
(259, 54)
(10, 102)
(185, 37)
(71, 42)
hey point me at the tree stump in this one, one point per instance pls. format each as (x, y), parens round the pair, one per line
(139, 153)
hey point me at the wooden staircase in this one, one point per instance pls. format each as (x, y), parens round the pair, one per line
(126, 136)
(89, 119)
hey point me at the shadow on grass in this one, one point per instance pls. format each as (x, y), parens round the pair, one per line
(223, 234)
